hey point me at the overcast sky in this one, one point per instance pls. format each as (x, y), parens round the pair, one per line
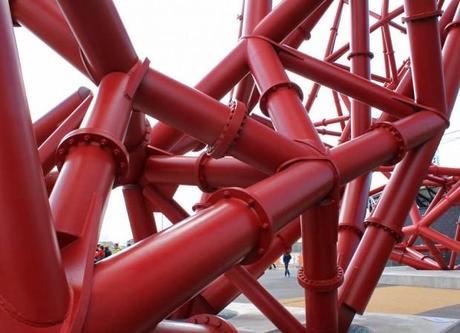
(183, 39)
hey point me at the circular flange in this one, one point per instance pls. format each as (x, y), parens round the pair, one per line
(216, 322)
(98, 138)
(265, 226)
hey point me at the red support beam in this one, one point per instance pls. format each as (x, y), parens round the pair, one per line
(46, 124)
(34, 291)
(386, 222)
(265, 302)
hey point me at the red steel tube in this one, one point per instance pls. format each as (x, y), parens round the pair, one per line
(44, 18)
(440, 238)
(254, 12)
(170, 208)
(356, 192)
(47, 149)
(221, 292)
(303, 30)
(435, 253)
(45, 125)
(290, 119)
(342, 50)
(206, 260)
(264, 301)
(181, 238)
(342, 81)
(453, 254)
(443, 205)
(406, 259)
(27, 240)
(140, 217)
(84, 18)
(319, 249)
(90, 169)
(283, 104)
(378, 242)
(224, 172)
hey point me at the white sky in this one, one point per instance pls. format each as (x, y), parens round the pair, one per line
(183, 39)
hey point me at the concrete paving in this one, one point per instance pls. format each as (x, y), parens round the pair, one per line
(441, 315)
(249, 319)
(407, 276)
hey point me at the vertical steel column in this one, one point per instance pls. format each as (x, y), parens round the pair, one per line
(34, 290)
(384, 227)
(453, 254)
(329, 48)
(354, 202)
(281, 99)
(254, 12)
(320, 275)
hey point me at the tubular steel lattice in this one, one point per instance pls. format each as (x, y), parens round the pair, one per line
(266, 180)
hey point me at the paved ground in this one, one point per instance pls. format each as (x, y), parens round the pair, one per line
(409, 308)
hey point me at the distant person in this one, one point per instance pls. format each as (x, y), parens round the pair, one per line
(272, 266)
(107, 252)
(116, 248)
(286, 259)
(100, 254)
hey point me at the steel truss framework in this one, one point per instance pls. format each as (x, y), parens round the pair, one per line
(277, 182)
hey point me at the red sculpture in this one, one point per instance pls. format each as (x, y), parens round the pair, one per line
(266, 181)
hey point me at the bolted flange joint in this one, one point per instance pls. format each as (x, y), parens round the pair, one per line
(422, 16)
(285, 84)
(321, 286)
(373, 221)
(451, 25)
(216, 322)
(400, 141)
(98, 138)
(200, 175)
(264, 223)
(349, 226)
(368, 54)
(231, 131)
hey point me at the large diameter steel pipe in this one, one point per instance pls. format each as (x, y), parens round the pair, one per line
(218, 248)
(198, 233)
(91, 23)
(158, 95)
(90, 168)
(44, 18)
(27, 240)
(222, 292)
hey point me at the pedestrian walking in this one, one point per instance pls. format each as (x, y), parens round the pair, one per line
(286, 259)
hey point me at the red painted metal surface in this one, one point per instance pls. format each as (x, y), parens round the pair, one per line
(266, 180)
